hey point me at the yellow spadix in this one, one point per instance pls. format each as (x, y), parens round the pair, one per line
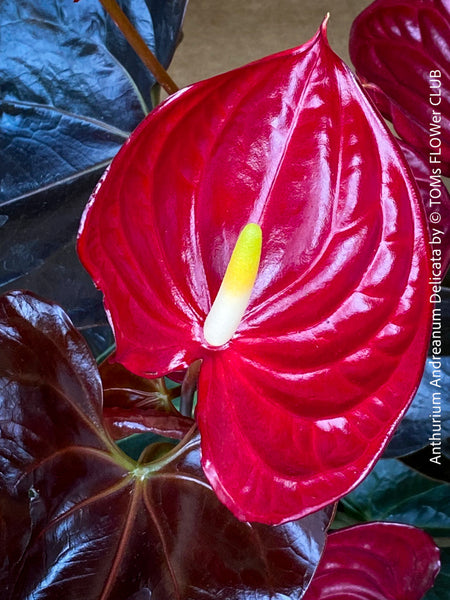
(234, 293)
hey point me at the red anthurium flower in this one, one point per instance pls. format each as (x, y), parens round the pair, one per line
(376, 561)
(403, 46)
(300, 390)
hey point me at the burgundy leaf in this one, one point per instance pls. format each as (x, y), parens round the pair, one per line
(436, 200)
(122, 422)
(403, 46)
(79, 519)
(427, 171)
(133, 404)
(376, 561)
(295, 409)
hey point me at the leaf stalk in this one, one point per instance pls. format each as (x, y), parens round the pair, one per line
(188, 388)
(140, 47)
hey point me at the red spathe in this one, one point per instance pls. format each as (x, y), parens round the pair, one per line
(296, 408)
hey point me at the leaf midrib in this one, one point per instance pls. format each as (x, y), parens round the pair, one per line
(96, 122)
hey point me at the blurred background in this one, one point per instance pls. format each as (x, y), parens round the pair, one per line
(219, 36)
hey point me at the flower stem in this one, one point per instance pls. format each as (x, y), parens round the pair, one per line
(188, 388)
(139, 46)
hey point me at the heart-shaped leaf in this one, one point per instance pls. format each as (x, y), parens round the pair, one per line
(376, 561)
(81, 520)
(403, 46)
(393, 492)
(296, 407)
(72, 91)
(132, 405)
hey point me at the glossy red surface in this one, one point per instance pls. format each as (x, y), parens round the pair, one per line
(296, 408)
(376, 561)
(403, 46)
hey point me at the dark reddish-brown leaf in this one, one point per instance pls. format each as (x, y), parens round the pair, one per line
(297, 406)
(376, 561)
(133, 404)
(79, 519)
(403, 46)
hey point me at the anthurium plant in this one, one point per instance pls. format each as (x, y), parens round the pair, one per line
(271, 270)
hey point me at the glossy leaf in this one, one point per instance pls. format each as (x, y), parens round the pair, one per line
(376, 561)
(398, 45)
(81, 520)
(296, 408)
(432, 400)
(436, 201)
(72, 91)
(133, 405)
(393, 492)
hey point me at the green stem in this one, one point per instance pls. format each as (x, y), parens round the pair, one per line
(105, 354)
(139, 46)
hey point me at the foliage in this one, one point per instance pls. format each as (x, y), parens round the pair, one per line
(93, 523)
(71, 94)
(416, 33)
(108, 490)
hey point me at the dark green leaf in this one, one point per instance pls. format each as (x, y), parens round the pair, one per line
(425, 461)
(393, 492)
(441, 588)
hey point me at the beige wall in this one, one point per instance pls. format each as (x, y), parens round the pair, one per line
(222, 34)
